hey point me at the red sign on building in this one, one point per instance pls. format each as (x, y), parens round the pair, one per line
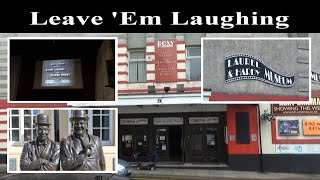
(166, 60)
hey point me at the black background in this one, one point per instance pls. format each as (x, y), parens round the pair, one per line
(303, 17)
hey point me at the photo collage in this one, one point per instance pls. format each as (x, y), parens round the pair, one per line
(126, 103)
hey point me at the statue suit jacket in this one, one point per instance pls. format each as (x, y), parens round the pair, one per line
(31, 153)
(73, 158)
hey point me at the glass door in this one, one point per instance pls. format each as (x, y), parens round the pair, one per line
(204, 143)
(197, 143)
(211, 144)
(141, 146)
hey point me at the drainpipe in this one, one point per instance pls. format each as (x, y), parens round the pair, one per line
(260, 142)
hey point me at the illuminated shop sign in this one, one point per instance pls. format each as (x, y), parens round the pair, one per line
(246, 67)
(315, 77)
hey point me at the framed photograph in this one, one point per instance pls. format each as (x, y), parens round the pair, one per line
(288, 127)
(62, 69)
(43, 140)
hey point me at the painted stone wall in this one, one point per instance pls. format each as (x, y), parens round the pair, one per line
(285, 57)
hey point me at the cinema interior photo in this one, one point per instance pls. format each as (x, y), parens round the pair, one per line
(62, 69)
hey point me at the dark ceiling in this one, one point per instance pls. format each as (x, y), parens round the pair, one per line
(54, 48)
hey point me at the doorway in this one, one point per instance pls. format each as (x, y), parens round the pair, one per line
(175, 143)
(204, 144)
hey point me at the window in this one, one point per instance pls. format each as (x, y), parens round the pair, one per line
(101, 125)
(194, 63)
(137, 66)
(21, 125)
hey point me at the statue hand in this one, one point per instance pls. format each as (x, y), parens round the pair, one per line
(88, 150)
(44, 161)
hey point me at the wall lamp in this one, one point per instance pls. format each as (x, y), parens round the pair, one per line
(166, 89)
(266, 116)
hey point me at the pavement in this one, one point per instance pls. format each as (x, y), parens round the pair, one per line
(166, 173)
(169, 173)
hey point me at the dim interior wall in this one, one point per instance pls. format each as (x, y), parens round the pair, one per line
(104, 54)
(315, 66)
(283, 56)
(15, 68)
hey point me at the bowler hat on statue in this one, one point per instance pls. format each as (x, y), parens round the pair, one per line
(79, 114)
(42, 119)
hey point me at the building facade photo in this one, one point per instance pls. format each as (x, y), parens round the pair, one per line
(257, 69)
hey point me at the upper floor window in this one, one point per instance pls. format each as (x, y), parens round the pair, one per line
(194, 63)
(137, 66)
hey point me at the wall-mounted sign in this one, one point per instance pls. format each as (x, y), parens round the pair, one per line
(168, 121)
(311, 127)
(246, 67)
(166, 60)
(315, 77)
(134, 121)
(288, 127)
(297, 148)
(297, 109)
(58, 72)
(203, 120)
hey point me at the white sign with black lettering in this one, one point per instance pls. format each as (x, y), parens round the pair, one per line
(246, 67)
(136, 121)
(168, 121)
(203, 120)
